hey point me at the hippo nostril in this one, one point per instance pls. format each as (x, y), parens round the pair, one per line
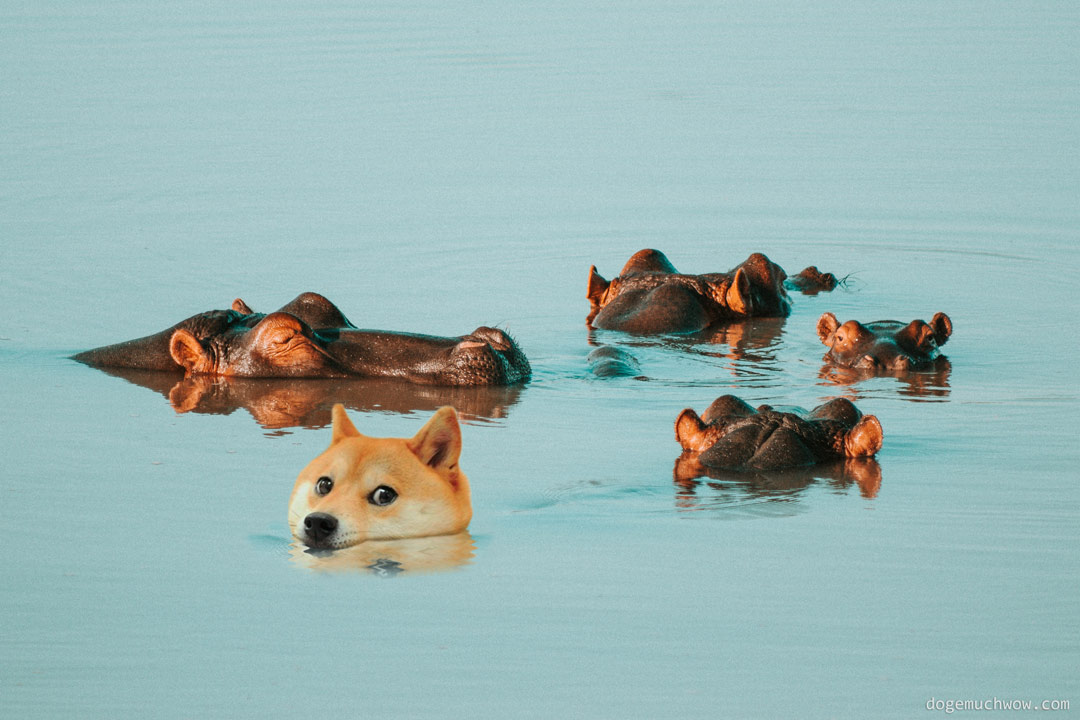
(494, 337)
(319, 526)
(867, 361)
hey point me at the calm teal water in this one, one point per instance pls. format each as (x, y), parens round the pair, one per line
(443, 165)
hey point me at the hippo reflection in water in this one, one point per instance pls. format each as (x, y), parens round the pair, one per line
(700, 487)
(733, 435)
(311, 338)
(886, 345)
(650, 296)
(279, 403)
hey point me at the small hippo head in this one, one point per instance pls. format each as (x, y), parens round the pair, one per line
(811, 281)
(885, 345)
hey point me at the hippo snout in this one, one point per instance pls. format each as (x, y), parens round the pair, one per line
(487, 356)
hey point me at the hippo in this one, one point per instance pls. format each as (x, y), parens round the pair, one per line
(650, 296)
(608, 361)
(311, 338)
(811, 281)
(733, 435)
(886, 345)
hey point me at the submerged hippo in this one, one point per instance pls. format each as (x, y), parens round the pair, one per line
(311, 338)
(811, 281)
(650, 296)
(608, 361)
(886, 345)
(733, 435)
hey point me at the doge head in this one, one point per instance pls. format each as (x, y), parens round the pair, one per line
(365, 488)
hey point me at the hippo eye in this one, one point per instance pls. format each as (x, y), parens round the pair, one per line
(323, 485)
(382, 496)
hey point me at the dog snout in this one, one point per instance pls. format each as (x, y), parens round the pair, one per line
(319, 526)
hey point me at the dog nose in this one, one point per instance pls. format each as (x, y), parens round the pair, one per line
(319, 526)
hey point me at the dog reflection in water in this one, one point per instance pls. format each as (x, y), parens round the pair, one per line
(363, 490)
(389, 558)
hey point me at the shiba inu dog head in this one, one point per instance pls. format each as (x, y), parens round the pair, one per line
(364, 488)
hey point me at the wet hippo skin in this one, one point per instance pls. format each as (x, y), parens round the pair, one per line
(733, 435)
(650, 296)
(311, 338)
(608, 361)
(885, 345)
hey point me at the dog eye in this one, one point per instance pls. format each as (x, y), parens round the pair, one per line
(323, 485)
(382, 496)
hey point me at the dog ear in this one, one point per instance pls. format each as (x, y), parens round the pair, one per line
(188, 353)
(341, 424)
(438, 444)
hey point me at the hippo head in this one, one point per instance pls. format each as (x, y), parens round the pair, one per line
(651, 296)
(732, 434)
(884, 345)
(282, 345)
(811, 281)
(311, 338)
(278, 345)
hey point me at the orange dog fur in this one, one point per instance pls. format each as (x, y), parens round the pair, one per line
(364, 488)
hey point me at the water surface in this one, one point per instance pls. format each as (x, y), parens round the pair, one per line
(442, 166)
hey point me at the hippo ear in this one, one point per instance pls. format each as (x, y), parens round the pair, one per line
(738, 295)
(942, 327)
(438, 444)
(341, 425)
(189, 393)
(865, 438)
(826, 326)
(242, 307)
(189, 353)
(690, 430)
(916, 335)
(597, 287)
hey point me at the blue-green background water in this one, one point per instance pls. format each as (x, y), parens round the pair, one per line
(438, 166)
